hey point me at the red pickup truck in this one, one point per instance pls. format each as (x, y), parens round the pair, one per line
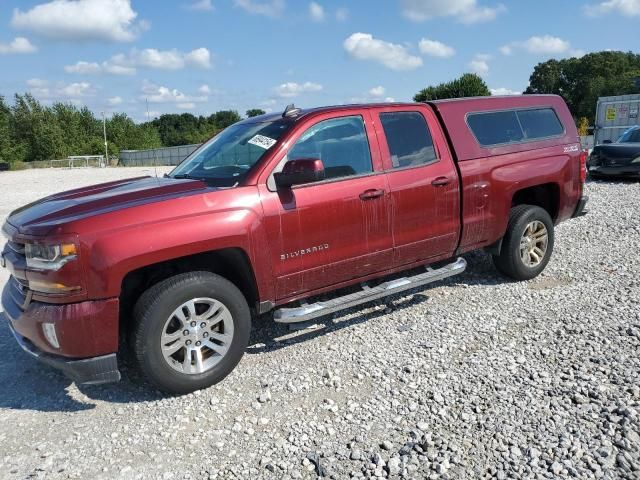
(276, 210)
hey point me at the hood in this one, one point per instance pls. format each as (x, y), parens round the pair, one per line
(97, 199)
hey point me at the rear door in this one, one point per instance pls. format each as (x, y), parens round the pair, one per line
(423, 184)
(337, 229)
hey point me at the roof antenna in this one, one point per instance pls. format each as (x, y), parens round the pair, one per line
(291, 111)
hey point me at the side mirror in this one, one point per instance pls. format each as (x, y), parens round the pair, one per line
(297, 172)
(607, 141)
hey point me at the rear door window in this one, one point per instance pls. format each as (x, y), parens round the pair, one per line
(408, 138)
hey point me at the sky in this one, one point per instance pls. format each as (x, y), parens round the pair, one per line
(146, 57)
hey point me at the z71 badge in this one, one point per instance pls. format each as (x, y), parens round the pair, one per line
(572, 149)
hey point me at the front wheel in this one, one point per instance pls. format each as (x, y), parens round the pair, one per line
(527, 244)
(191, 330)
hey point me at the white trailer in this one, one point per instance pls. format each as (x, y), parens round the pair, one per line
(614, 115)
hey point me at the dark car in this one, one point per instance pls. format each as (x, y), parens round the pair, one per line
(621, 158)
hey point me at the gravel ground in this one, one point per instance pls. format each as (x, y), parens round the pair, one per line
(475, 377)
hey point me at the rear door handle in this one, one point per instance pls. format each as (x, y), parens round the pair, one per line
(372, 193)
(441, 181)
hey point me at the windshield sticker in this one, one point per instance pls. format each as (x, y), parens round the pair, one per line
(262, 142)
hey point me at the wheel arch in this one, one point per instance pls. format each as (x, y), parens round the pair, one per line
(230, 263)
(544, 195)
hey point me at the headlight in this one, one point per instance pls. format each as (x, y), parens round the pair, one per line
(49, 257)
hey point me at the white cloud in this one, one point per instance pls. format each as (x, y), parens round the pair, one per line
(377, 91)
(113, 101)
(396, 57)
(504, 91)
(160, 94)
(435, 48)
(107, 20)
(204, 89)
(158, 59)
(186, 105)
(37, 83)
(342, 14)
(293, 89)
(84, 68)
(541, 45)
(126, 64)
(480, 64)
(200, 57)
(43, 90)
(316, 12)
(18, 45)
(74, 90)
(628, 8)
(114, 67)
(465, 11)
(270, 8)
(546, 45)
(201, 6)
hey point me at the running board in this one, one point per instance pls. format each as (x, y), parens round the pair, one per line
(367, 294)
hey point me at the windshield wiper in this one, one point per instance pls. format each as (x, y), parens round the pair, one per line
(182, 176)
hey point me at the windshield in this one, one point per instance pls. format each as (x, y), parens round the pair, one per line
(630, 136)
(229, 156)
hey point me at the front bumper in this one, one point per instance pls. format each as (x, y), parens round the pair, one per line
(86, 334)
(87, 371)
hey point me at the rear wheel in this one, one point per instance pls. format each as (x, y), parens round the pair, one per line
(191, 330)
(527, 244)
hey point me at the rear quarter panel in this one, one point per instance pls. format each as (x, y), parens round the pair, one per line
(490, 177)
(489, 185)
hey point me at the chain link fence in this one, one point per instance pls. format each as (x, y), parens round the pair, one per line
(156, 156)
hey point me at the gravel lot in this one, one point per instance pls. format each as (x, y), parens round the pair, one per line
(475, 377)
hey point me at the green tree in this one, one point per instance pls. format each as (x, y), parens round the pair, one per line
(5, 131)
(183, 129)
(468, 85)
(225, 118)
(254, 112)
(580, 81)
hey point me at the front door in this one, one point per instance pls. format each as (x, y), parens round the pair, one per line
(337, 229)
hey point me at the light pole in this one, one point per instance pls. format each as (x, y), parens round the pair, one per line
(104, 131)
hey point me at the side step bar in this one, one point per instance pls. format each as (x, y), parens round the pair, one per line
(367, 294)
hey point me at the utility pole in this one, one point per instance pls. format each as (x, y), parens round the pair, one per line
(104, 131)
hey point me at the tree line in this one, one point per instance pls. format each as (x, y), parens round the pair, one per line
(31, 131)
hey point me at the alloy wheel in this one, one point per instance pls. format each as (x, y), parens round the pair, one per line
(534, 243)
(197, 335)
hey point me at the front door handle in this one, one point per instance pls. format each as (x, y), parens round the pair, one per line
(441, 181)
(372, 193)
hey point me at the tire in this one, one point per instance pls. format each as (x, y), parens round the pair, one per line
(166, 312)
(510, 261)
